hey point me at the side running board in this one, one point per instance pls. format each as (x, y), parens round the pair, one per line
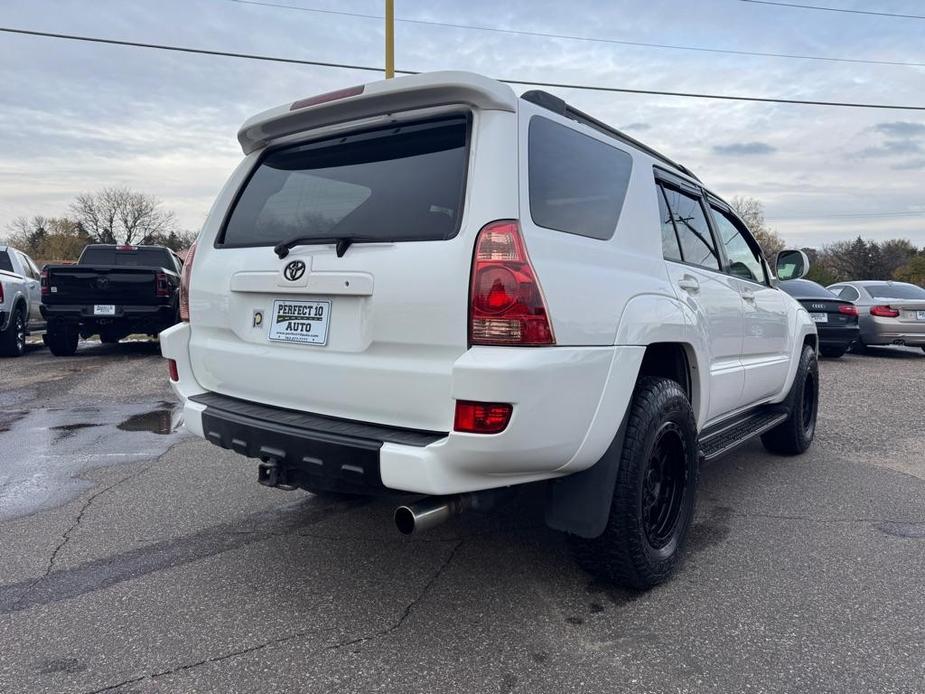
(719, 439)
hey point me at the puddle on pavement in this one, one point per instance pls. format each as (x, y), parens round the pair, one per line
(155, 422)
(46, 450)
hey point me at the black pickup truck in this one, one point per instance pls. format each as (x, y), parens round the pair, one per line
(112, 291)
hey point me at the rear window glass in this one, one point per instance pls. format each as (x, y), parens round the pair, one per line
(402, 184)
(5, 263)
(141, 257)
(577, 183)
(895, 291)
(806, 289)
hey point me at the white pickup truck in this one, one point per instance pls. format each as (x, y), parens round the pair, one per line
(433, 286)
(20, 301)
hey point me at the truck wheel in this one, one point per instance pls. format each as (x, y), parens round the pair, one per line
(795, 434)
(13, 339)
(653, 500)
(62, 341)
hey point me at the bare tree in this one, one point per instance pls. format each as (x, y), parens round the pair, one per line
(122, 215)
(751, 211)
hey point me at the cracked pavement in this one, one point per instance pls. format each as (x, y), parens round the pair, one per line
(165, 567)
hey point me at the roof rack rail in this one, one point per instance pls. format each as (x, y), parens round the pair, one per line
(553, 103)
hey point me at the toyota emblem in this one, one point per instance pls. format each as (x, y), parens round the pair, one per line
(294, 270)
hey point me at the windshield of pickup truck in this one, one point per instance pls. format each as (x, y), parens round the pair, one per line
(401, 184)
(136, 255)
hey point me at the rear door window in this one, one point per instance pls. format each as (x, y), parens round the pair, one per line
(690, 222)
(5, 263)
(577, 183)
(671, 247)
(405, 183)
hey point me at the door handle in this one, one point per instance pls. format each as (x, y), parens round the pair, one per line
(689, 284)
(748, 295)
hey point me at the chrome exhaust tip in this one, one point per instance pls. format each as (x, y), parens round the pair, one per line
(429, 513)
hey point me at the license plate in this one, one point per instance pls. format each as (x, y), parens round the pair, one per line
(104, 310)
(920, 315)
(302, 322)
(819, 317)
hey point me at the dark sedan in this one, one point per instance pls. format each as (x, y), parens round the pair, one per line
(836, 319)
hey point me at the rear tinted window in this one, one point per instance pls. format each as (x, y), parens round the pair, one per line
(5, 263)
(141, 257)
(806, 289)
(697, 246)
(895, 291)
(577, 183)
(401, 184)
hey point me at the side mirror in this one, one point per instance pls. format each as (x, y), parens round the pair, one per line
(792, 265)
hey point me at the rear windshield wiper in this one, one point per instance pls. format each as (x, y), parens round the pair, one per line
(343, 243)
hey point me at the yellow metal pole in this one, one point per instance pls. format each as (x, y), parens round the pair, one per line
(389, 39)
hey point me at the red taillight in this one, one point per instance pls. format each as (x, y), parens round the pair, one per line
(848, 309)
(126, 247)
(506, 305)
(161, 288)
(43, 282)
(482, 417)
(326, 97)
(1, 293)
(184, 282)
(884, 311)
(172, 370)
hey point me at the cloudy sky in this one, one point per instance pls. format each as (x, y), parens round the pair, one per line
(78, 116)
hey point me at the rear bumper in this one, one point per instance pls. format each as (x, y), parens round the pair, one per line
(82, 312)
(888, 331)
(568, 402)
(837, 336)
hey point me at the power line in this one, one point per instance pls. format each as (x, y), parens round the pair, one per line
(834, 9)
(571, 37)
(368, 68)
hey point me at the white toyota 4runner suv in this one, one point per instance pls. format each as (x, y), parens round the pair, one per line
(430, 285)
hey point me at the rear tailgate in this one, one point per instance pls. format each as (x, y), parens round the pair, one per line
(371, 334)
(101, 284)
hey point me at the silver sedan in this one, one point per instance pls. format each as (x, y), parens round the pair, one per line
(889, 313)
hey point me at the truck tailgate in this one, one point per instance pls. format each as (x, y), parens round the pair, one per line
(87, 284)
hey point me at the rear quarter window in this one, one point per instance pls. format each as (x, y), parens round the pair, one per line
(5, 262)
(577, 184)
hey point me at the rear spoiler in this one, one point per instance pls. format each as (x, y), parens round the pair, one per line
(374, 99)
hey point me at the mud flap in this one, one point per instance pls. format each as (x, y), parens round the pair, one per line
(580, 503)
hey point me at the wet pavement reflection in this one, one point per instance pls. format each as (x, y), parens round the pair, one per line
(45, 450)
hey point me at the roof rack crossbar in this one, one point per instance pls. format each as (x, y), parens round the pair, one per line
(556, 105)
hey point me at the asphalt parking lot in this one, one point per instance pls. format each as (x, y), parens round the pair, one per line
(136, 558)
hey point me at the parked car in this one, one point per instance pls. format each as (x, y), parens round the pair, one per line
(429, 285)
(20, 299)
(112, 291)
(836, 319)
(889, 313)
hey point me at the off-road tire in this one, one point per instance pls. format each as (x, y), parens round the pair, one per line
(62, 341)
(832, 352)
(13, 339)
(795, 434)
(624, 553)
